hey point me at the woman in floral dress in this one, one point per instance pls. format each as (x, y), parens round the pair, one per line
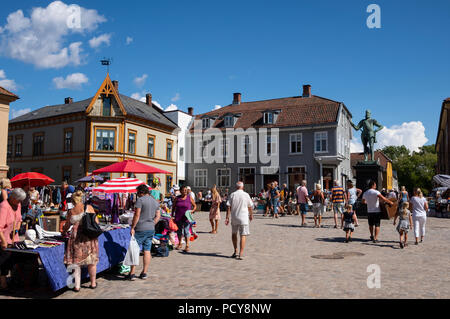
(80, 250)
(214, 212)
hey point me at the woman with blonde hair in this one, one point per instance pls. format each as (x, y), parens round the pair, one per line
(80, 250)
(419, 208)
(318, 201)
(6, 187)
(214, 212)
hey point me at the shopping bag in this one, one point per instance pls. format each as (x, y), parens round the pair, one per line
(172, 225)
(132, 256)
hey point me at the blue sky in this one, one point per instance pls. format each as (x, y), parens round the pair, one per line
(197, 53)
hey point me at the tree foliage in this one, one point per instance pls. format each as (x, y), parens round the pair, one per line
(414, 169)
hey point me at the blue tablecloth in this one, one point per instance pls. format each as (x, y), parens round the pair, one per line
(112, 247)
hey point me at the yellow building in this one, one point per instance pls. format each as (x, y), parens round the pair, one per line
(6, 98)
(70, 140)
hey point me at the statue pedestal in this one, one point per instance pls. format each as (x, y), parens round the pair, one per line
(365, 172)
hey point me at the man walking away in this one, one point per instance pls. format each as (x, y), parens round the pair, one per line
(372, 199)
(143, 227)
(338, 197)
(302, 201)
(240, 207)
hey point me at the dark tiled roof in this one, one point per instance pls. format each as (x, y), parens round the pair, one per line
(132, 107)
(295, 111)
(8, 93)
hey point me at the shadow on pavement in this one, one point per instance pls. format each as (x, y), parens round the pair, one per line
(340, 239)
(288, 226)
(205, 254)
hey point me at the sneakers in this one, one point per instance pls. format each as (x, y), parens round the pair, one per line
(130, 277)
(143, 276)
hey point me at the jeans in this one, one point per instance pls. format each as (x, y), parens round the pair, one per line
(275, 205)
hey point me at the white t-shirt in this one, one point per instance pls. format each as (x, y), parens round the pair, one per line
(239, 202)
(418, 206)
(192, 195)
(373, 203)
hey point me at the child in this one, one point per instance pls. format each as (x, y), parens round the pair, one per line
(348, 217)
(193, 223)
(404, 224)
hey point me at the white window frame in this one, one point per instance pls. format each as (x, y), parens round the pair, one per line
(316, 138)
(273, 146)
(268, 116)
(228, 121)
(291, 167)
(203, 177)
(296, 135)
(218, 178)
(206, 123)
(224, 147)
(249, 146)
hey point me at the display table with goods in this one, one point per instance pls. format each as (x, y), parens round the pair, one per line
(113, 245)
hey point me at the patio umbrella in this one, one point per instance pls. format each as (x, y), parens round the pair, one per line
(130, 166)
(30, 179)
(91, 179)
(119, 185)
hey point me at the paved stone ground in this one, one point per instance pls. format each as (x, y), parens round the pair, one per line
(278, 264)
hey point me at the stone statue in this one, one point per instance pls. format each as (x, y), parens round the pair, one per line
(368, 135)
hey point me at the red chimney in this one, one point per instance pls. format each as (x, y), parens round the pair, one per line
(148, 99)
(68, 100)
(306, 91)
(237, 98)
(191, 111)
(116, 85)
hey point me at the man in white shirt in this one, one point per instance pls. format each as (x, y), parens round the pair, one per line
(372, 199)
(240, 207)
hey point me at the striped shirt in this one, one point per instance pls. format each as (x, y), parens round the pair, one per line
(338, 194)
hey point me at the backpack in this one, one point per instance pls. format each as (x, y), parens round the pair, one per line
(90, 228)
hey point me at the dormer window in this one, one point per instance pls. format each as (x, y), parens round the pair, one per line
(106, 107)
(229, 121)
(206, 123)
(268, 118)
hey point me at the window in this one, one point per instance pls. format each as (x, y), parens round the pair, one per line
(106, 176)
(296, 176)
(203, 148)
(169, 150)
(19, 146)
(132, 142)
(68, 137)
(67, 174)
(151, 146)
(38, 144)
(224, 146)
(247, 146)
(149, 179)
(181, 153)
(223, 177)
(229, 121)
(105, 139)
(168, 183)
(9, 150)
(200, 177)
(268, 118)
(106, 106)
(271, 145)
(296, 143)
(205, 123)
(321, 142)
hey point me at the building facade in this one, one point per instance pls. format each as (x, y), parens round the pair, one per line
(443, 140)
(69, 141)
(6, 98)
(288, 140)
(184, 121)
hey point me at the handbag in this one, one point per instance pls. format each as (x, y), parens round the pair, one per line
(90, 227)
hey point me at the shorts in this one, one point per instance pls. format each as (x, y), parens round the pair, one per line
(144, 239)
(183, 229)
(243, 230)
(317, 209)
(338, 208)
(275, 205)
(374, 219)
(303, 208)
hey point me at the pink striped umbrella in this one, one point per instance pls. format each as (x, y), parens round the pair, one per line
(119, 185)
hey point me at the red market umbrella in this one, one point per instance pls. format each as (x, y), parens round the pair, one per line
(130, 166)
(119, 185)
(30, 179)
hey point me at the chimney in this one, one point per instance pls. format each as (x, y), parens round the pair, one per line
(191, 111)
(148, 99)
(116, 85)
(237, 98)
(306, 91)
(68, 100)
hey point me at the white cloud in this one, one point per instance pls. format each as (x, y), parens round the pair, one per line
(16, 113)
(41, 39)
(356, 145)
(72, 81)
(96, 42)
(8, 84)
(139, 97)
(217, 107)
(171, 107)
(140, 80)
(129, 40)
(411, 134)
(157, 104)
(176, 97)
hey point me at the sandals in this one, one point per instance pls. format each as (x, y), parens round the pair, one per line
(76, 290)
(93, 287)
(234, 255)
(186, 250)
(240, 257)
(179, 247)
